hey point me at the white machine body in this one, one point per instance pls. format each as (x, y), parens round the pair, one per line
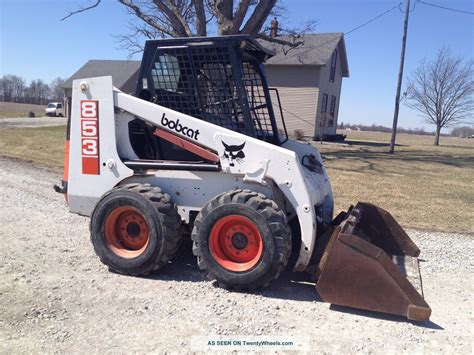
(99, 138)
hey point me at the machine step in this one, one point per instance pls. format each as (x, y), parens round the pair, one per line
(170, 165)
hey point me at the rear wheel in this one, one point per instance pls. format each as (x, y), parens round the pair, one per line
(241, 238)
(135, 229)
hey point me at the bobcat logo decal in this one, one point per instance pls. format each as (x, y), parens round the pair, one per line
(234, 153)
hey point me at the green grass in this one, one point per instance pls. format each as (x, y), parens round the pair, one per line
(423, 186)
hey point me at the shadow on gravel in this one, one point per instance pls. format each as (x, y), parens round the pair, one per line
(290, 285)
(182, 267)
(384, 316)
(296, 286)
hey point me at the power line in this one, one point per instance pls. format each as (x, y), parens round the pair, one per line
(446, 8)
(372, 19)
(309, 48)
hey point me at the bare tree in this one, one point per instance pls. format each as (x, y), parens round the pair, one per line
(38, 92)
(187, 18)
(19, 86)
(463, 132)
(6, 87)
(442, 90)
(57, 92)
(12, 88)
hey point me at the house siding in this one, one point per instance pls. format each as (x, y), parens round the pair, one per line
(331, 89)
(297, 86)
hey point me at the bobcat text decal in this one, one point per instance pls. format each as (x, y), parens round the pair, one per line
(90, 137)
(178, 127)
(234, 153)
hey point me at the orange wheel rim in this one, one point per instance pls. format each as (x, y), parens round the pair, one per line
(126, 232)
(236, 243)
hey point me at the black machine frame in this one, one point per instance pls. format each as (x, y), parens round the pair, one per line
(217, 79)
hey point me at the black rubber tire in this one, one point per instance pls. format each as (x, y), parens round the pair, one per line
(163, 221)
(273, 227)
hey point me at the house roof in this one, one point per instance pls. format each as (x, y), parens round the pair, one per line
(120, 70)
(316, 50)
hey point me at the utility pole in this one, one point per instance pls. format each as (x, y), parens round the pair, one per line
(400, 78)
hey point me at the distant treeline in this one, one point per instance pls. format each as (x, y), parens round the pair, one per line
(462, 132)
(14, 88)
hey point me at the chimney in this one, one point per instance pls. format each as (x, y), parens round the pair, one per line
(274, 28)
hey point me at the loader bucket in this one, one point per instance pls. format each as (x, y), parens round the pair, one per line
(371, 263)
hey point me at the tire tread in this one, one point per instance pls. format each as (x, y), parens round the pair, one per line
(171, 222)
(276, 220)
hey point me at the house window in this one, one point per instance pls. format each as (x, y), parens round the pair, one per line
(333, 67)
(331, 123)
(324, 106)
(332, 109)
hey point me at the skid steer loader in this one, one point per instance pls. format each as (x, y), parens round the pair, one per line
(200, 149)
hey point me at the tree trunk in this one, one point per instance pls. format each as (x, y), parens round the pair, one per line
(200, 18)
(438, 131)
(224, 16)
(257, 19)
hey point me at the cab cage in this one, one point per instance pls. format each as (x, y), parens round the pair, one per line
(217, 79)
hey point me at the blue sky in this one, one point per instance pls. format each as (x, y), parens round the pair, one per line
(35, 44)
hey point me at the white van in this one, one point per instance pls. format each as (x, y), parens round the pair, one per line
(55, 109)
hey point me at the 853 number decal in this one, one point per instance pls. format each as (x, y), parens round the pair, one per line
(90, 137)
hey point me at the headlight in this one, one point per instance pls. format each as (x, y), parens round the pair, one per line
(312, 164)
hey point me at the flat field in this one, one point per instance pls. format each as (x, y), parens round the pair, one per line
(423, 186)
(13, 109)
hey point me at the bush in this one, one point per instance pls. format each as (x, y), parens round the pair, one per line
(31, 114)
(299, 134)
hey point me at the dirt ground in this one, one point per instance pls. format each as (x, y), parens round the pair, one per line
(56, 297)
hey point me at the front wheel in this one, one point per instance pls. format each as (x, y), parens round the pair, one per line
(241, 238)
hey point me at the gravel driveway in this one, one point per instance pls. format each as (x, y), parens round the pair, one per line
(32, 122)
(55, 295)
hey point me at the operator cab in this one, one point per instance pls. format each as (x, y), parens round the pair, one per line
(217, 79)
